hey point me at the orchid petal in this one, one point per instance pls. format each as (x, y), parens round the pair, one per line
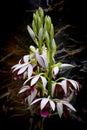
(53, 88)
(44, 113)
(44, 102)
(32, 96)
(56, 70)
(30, 70)
(24, 88)
(60, 108)
(74, 83)
(40, 60)
(26, 58)
(35, 101)
(22, 70)
(52, 104)
(15, 66)
(64, 85)
(44, 81)
(69, 105)
(34, 80)
(45, 60)
(66, 66)
(20, 66)
(25, 74)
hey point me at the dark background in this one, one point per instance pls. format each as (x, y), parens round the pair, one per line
(12, 13)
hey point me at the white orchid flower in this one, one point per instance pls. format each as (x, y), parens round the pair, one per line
(65, 84)
(44, 102)
(60, 107)
(60, 67)
(34, 79)
(24, 66)
(69, 83)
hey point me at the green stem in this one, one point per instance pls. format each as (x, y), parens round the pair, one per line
(50, 69)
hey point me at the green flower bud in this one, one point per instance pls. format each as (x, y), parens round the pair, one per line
(34, 28)
(35, 19)
(51, 31)
(53, 47)
(41, 13)
(40, 34)
(47, 38)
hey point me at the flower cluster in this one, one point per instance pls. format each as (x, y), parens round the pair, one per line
(43, 90)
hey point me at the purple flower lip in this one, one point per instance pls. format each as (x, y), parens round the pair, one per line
(44, 113)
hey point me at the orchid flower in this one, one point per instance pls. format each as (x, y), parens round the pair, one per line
(24, 66)
(60, 105)
(43, 104)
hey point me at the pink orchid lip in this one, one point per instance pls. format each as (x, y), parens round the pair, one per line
(18, 77)
(32, 89)
(44, 113)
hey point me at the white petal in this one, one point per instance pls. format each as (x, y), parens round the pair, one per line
(15, 66)
(40, 60)
(44, 102)
(22, 70)
(56, 70)
(74, 83)
(32, 96)
(35, 101)
(64, 85)
(26, 58)
(53, 88)
(25, 74)
(34, 80)
(69, 105)
(66, 66)
(20, 66)
(26, 81)
(60, 108)
(30, 70)
(45, 60)
(23, 89)
(52, 104)
(44, 81)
